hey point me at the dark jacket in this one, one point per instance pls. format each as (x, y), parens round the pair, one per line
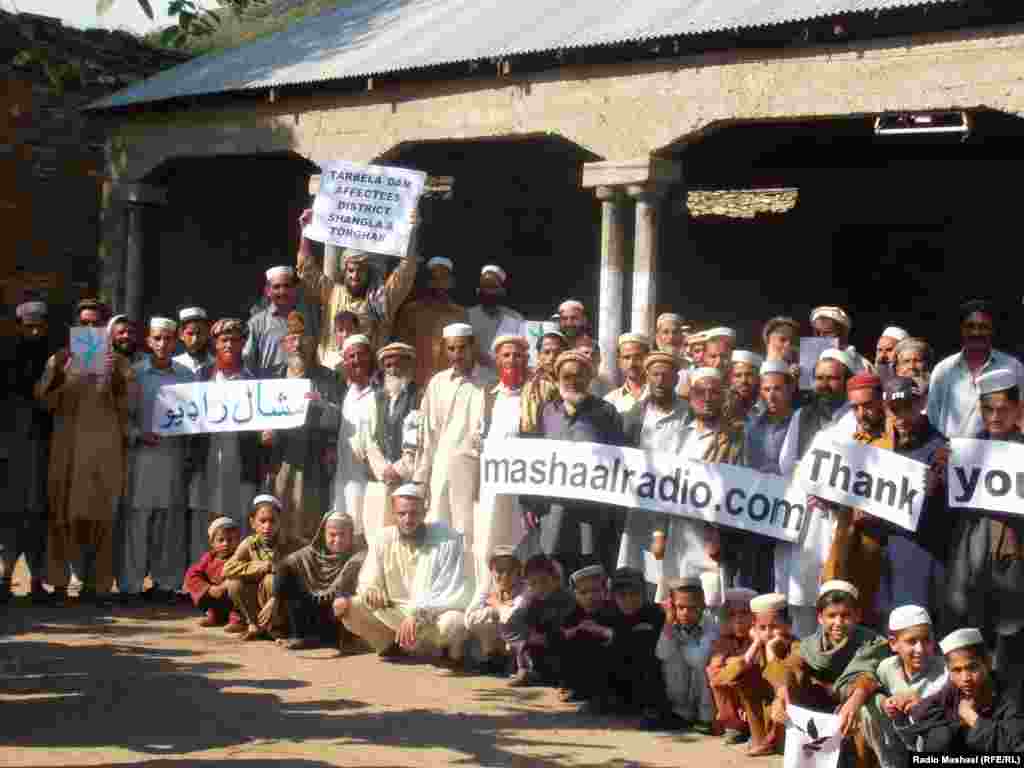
(252, 453)
(388, 435)
(1000, 728)
(595, 421)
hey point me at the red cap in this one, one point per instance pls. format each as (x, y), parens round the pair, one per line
(863, 381)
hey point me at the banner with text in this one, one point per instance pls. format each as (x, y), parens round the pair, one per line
(813, 739)
(986, 474)
(230, 406)
(366, 206)
(656, 482)
(879, 482)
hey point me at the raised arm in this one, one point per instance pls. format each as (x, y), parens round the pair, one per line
(316, 284)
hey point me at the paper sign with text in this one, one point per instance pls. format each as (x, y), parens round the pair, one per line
(657, 482)
(89, 347)
(230, 406)
(879, 482)
(812, 739)
(811, 348)
(366, 206)
(986, 474)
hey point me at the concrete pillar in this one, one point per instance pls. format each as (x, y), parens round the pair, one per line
(645, 256)
(610, 308)
(135, 198)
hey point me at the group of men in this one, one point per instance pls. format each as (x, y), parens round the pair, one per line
(405, 394)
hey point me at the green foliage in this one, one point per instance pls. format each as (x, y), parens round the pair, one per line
(63, 74)
(194, 21)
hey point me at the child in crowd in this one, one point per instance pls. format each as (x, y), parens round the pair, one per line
(249, 573)
(973, 713)
(683, 647)
(914, 673)
(734, 639)
(489, 619)
(586, 635)
(634, 681)
(547, 605)
(204, 580)
(837, 665)
(313, 579)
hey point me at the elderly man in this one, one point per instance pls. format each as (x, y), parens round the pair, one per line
(263, 351)
(370, 296)
(154, 530)
(586, 344)
(390, 437)
(542, 385)
(953, 404)
(633, 350)
(352, 476)
(578, 416)
(914, 358)
(421, 322)
(490, 318)
(413, 586)
(693, 546)
(572, 319)
(670, 334)
(194, 334)
(767, 429)
(695, 344)
(87, 458)
(718, 349)
(301, 459)
(797, 566)
(656, 425)
(452, 422)
(885, 350)
(781, 337)
(742, 399)
(230, 462)
(23, 528)
(835, 322)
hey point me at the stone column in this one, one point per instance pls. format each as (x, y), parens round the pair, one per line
(136, 197)
(645, 256)
(610, 308)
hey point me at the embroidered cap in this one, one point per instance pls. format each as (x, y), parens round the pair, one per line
(191, 313)
(457, 331)
(833, 313)
(634, 338)
(996, 381)
(585, 573)
(750, 358)
(162, 324)
(408, 491)
(894, 332)
(774, 366)
(838, 585)
(494, 269)
(396, 348)
(353, 340)
(220, 522)
(961, 638)
(441, 261)
(773, 601)
(908, 616)
(510, 339)
(266, 498)
(274, 272)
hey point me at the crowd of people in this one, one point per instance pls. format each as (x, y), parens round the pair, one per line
(368, 526)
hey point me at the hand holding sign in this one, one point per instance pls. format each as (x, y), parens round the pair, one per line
(89, 350)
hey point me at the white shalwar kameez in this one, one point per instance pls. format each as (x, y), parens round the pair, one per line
(352, 473)
(223, 491)
(197, 535)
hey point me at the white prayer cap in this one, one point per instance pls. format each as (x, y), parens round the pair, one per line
(30, 310)
(341, 518)
(551, 329)
(494, 269)
(750, 358)
(266, 498)
(833, 313)
(895, 332)
(740, 595)
(697, 338)
(162, 324)
(704, 373)
(669, 317)
(355, 338)
(996, 381)
(441, 261)
(685, 582)
(840, 356)
(457, 331)
(838, 585)
(396, 348)
(192, 313)
(773, 601)
(115, 320)
(408, 491)
(720, 333)
(583, 573)
(774, 366)
(280, 272)
(571, 304)
(961, 638)
(507, 338)
(220, 522)
(908, 616)
(634, 338)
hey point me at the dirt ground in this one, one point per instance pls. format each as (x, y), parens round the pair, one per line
(146, 686)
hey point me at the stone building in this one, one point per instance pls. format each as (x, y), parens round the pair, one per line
(619, 157)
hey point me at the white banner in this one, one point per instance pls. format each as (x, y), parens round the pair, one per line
(241, 405)
(365, 206)
(986, 474)
(813, 739)
(88, 349)
(879, 482)
(657, 482)
(811, 348)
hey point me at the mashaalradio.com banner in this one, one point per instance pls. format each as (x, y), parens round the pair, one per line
(656, 482)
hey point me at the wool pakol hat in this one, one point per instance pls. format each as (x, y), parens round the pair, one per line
(396, 348)
(634, 338)
(572, 356)
(229, 325)
(508, 338)
(661, 357)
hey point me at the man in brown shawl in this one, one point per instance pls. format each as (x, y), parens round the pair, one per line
(542, 386)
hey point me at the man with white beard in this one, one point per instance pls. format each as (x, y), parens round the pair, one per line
(499, 519)
(352, 474)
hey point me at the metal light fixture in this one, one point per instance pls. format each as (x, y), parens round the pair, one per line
(911, 123)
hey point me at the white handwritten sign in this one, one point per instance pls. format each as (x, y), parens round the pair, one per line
(986, 474)
(89, 348)
(811, 348)
(230, 406)
(366, 206)
(879, 482)
(813, 739)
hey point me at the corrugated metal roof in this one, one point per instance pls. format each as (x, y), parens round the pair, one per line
(371, 37)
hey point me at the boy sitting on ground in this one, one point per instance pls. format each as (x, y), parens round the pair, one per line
(734, 640)
(586, 635)
(489, 620)
(683, 647)
(546, 607)
(204, 581)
